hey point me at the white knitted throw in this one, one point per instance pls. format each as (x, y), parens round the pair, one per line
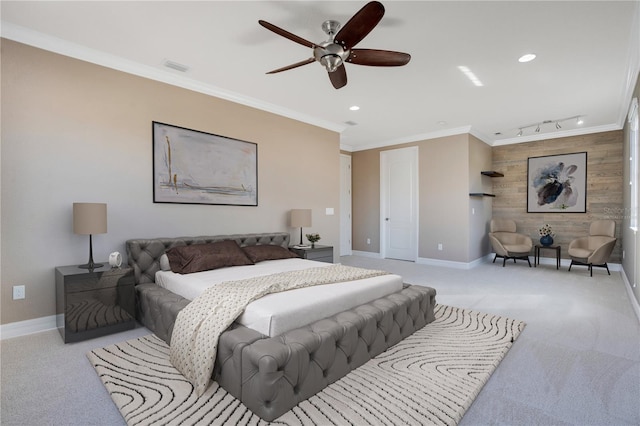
(194, 340)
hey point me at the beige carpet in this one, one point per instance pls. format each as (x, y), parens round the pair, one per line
(432, 377)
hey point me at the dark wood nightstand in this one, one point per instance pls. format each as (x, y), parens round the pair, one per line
(92, 303)
(317, 253)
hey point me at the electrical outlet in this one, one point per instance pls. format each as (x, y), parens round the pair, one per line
(473, 210)
(18, 292)
(368, 240)
(440, 246)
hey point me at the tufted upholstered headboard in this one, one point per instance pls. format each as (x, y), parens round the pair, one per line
(144, 255)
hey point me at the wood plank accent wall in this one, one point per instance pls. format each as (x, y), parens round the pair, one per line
(604, 186)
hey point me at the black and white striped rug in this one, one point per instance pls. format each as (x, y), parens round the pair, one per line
(431, 377)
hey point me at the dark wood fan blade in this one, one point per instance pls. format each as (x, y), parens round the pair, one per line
(338, 77)
(296, 65)
(360, 25)
(378, 58)
(286, 34)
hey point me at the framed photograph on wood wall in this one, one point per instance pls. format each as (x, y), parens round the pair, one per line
(557, 183)
(193, 167)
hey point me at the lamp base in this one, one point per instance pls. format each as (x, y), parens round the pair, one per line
(91, 266)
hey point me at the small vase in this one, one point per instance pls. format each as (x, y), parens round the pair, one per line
(546, 240)
(313, 245)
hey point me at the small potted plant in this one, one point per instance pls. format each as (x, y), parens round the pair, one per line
(313, 238)
(546, 235)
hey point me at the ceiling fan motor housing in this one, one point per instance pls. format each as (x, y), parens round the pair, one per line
(331, 55)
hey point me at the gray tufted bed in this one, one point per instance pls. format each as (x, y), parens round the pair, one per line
(271, 375)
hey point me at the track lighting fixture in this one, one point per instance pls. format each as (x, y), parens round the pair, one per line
(539, 125)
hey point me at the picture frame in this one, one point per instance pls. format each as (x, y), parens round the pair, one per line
(195, 167)
(557, 183)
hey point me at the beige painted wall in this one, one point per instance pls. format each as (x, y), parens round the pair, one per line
(604, 185)
(73, 131)
(444, 198)
(365, 189)
(444, 204)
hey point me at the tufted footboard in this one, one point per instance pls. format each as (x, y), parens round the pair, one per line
(272, 375)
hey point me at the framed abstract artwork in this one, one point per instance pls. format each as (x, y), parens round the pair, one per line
(557, 183)
(193, 167)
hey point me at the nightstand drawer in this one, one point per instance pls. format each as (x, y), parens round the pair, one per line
(98, 279)
(317, 253)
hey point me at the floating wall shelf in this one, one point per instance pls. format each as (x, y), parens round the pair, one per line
(480, 194)
(489, 173)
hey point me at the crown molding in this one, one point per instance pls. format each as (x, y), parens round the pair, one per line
(415, 138)
(63, 47)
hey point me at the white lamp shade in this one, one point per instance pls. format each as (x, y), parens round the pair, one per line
(89, 218)
(300, 218)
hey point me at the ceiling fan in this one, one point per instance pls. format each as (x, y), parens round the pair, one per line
(339, 48)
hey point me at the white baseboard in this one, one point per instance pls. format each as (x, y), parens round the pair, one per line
(22, 328)
(366, 254)
(632, 296)
(450, 263)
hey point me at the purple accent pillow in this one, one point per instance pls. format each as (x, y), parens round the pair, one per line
(267, 252)
(205, 257)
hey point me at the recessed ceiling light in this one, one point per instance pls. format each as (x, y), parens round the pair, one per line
(470, 75)
(527, 58)
(354, 108)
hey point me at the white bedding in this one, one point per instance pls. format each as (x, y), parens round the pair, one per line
(277, 313)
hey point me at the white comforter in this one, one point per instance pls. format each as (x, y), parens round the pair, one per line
(277, 313)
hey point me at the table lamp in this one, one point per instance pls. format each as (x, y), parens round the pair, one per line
(300, 218)
(89, 219)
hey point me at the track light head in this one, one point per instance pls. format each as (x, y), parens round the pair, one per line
(558, 126)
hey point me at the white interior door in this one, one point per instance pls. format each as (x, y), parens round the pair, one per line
(345, 205)
(399, 203)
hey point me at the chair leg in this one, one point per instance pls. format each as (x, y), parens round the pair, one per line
(504, 260)
(529, 261)
(494, 258)
(570, 265)
(607, 266)
(590, 270)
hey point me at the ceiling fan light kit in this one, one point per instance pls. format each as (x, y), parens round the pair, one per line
(339, 48)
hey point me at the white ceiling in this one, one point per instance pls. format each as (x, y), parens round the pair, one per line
(587, 60)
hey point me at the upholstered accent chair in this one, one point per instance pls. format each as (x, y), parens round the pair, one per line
(594, 249)
(507, 243)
